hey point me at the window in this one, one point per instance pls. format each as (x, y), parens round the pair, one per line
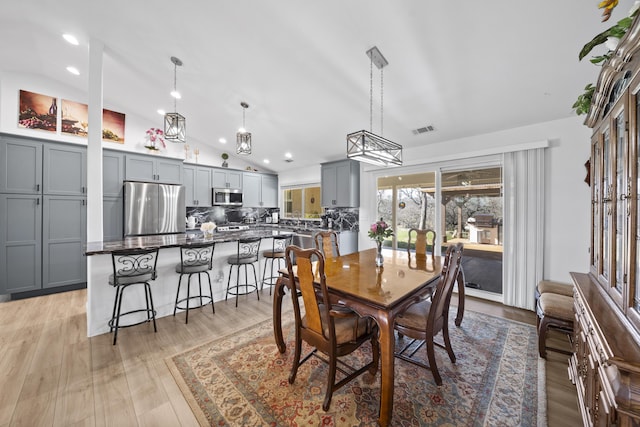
(302, 202)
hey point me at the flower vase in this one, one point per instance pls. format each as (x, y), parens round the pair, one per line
(379, 258)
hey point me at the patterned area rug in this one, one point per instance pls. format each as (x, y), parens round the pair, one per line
(241, 380)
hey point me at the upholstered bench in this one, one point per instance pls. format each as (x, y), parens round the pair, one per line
(554, 311)
(554, 287)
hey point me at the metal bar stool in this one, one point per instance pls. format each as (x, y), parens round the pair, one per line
(248, 251)
(280, 243)
(196, 258)
(132, 267)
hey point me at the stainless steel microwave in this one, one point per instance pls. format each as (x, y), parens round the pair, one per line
(226, 196)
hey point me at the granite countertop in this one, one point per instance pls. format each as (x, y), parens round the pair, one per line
(175, 240)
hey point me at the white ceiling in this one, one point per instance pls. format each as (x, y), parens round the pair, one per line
(464, 67)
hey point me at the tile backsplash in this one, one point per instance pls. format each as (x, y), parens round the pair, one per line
(338, 219)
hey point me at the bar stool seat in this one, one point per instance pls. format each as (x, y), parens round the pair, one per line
(195, 258)
(276, 253)
(247, 254)
(132, 267)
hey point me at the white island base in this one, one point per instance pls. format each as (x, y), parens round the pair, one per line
(101, 295)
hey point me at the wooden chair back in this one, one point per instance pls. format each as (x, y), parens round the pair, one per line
(328, 242)
(423, 237)
(309, 269)
(441, 299)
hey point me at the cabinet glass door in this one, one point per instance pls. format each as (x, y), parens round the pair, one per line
(607, 189)
(596, 208)
(620, 201)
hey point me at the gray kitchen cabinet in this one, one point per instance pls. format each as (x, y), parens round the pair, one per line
(340, 184)
(224, 178)
(198, 183)
(348, 242)
(64, 170)
(153, 169)
(259, 190)
(112, 173)
(64, 230)
(113, 218)
(21, 170)
(20, 243)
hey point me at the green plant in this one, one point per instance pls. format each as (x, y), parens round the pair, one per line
(583, 103)
(224, 156)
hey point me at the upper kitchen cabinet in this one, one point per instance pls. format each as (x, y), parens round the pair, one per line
(31, 166)
(340, 184)
(21, 170)
(259, 190)
(65, 170)
(197, 183)
(153, 169)
(224, 178)
(112, 173)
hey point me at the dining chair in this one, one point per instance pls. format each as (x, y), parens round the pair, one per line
(423, 320)
(333, 330)
(195, 258)
(423, 237)
(327, 242)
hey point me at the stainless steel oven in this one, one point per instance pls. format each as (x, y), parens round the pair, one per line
(226, 196)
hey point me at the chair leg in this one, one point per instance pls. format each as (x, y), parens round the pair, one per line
(331, 379)
(186, 321)
(200, 287)
(213, 307)
(237, 283)
(153, 309)
(264, 273)
(432, 361)
(255, 276)
(115, 306)
(228, 282)
(447, 343)
(542, 336)
(296, 358)
(175, 307)
(119, 291)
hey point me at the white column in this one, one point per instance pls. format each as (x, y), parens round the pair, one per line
(94, 149)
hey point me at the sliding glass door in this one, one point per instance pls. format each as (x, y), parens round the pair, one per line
(461, 206)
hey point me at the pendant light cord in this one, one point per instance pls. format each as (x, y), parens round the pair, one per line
(175, 90)
(371, 96)
(381, 101)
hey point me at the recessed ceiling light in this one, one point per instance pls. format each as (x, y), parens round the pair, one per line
(222, 141)
(73, 70)
(266, 161)
(288, 155)
(176, 94)
(71, 39)
(161, 112)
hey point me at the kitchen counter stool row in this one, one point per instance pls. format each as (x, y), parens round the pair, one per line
(138, 267)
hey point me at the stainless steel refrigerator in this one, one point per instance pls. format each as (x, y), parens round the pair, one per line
(153, 208)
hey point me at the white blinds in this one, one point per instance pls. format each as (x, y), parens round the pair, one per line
(523, 227)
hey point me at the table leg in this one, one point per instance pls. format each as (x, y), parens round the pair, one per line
(278, 294)
(387, 345)
(460, 280)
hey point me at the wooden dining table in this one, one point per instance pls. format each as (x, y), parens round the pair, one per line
(380, 293)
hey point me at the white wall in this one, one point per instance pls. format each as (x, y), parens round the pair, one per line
(567, 198)
(135, 125)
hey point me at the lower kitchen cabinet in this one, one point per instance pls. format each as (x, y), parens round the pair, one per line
(20, 243)
(64, 231)
(41, 242)
(348, 242)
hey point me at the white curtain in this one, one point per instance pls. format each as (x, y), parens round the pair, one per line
(523, 226)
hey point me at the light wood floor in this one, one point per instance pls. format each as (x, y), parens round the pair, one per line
(51, 374)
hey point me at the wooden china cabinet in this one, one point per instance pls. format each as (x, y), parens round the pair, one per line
(605, 365)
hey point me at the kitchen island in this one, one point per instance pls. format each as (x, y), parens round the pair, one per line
(100, 295)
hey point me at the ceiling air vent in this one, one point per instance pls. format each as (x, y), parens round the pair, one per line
(288, 160)
(423, 129)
